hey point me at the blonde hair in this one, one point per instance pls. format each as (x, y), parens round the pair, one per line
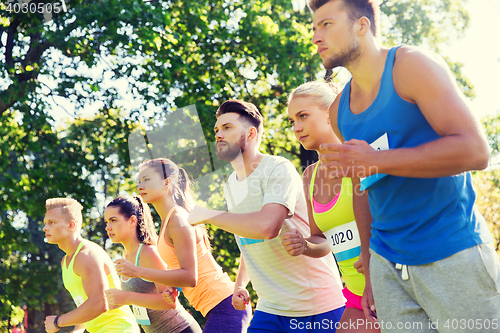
(70, 208)
(322, 93)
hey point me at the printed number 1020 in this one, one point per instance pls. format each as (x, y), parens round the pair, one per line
(341, 237)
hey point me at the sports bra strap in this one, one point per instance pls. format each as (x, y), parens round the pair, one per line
(138, 254)
(165, 222)
(170, 212)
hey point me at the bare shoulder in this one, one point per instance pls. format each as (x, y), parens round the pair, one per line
(178, 226)
(413, 63)
(150, 257)
(149, 251)
(178, 218)
(419, 72)
(413, 55)
(91, 254)
(90, 260)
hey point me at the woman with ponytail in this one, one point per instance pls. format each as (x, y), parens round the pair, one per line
(129, 222)
(186, 250)
(329, 201)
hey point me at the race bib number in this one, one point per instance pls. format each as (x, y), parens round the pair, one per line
(78, 300)
(344, 241)
(141, 315)
(381, 143)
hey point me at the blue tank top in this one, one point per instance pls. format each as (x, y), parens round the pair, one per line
(416, 221)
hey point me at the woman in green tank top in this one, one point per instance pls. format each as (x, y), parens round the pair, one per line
(329, 201)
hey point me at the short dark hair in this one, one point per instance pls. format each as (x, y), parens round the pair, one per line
(245, 109)
(356, 9)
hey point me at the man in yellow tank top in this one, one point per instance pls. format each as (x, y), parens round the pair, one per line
(87, 273)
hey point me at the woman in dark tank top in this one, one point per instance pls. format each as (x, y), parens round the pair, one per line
(129, 222)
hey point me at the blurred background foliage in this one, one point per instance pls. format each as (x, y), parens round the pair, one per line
(77, 85)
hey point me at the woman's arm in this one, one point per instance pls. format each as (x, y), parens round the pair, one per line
(183, 237)
(149, 258)
(117, 298)
(241, 297)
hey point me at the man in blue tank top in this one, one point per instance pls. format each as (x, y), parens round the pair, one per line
(409, 142)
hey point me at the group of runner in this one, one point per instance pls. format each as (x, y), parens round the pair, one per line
(391, 197)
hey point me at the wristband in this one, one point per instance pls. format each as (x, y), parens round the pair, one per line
(55, 322)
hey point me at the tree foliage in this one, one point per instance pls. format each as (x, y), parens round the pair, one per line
(488, 182)
(40, 163)
(487, 185)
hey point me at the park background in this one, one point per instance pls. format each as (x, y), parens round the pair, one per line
(75, 86)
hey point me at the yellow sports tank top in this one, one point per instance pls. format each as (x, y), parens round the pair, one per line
(339, 227)
(117, 320)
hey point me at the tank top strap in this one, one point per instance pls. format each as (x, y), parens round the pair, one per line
(387, 81)
(344, 107)
(345, 117)
(70, 266)
(165, 222)
(345, 184)
(138, 254)
(170, 212)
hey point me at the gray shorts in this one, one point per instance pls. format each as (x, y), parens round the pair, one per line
(460, 293)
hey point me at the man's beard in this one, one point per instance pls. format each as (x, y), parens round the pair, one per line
(232, 150)
(345, 58)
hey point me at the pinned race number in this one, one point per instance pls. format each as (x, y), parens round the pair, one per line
(381, 143)
(344, 241)
(141, 315)
(78, 300)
